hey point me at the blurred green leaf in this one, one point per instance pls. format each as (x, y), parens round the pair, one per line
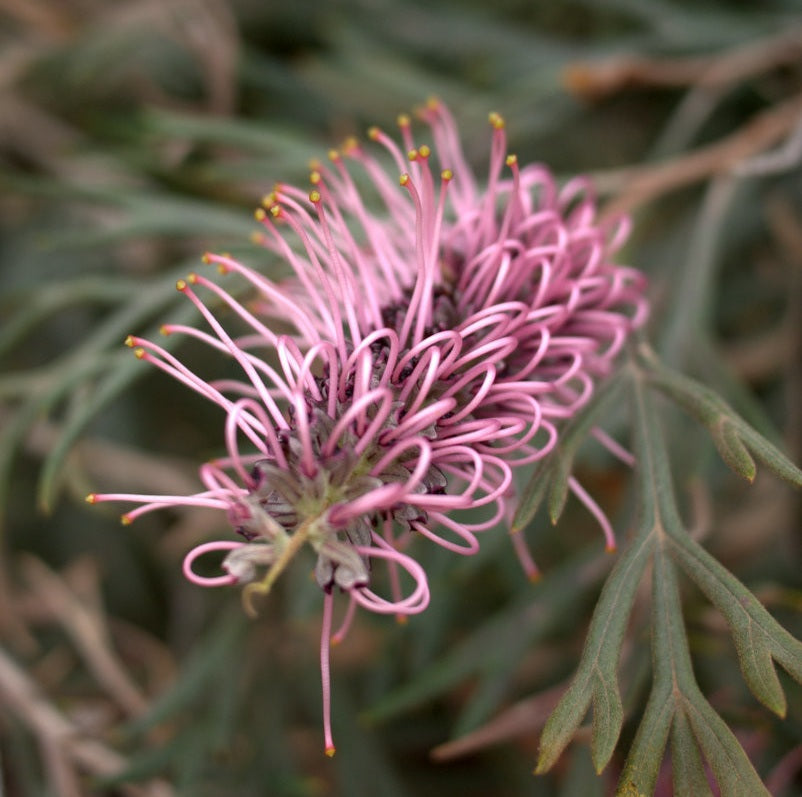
(38, 305)
(488, 651)
(257, 137)
(122, 370)
(215, 652)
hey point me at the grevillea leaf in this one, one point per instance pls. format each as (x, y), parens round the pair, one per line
(687, 766)
(596, 679)
(563, 722)
(733, 436)
(646, 753)
(759, 638)
(734, 773)
(608, 717)
(671, 673)
(733, 451)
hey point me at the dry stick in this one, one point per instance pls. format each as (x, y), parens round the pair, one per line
(43, 20)
(151, 654)
(88, 632)
(518, 720)
(21, 695)
(12, 626)
(763, 355)
(643, 184)
(787, 229)
(60, 772)
(596, 80)
(92, 461)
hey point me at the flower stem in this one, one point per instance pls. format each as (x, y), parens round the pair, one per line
(291, 546)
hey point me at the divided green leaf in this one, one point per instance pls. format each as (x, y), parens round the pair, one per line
(734, 438)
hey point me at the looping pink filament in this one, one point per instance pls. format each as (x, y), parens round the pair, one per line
(206, 547)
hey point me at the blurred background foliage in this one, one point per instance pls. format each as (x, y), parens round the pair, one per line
(134, 135)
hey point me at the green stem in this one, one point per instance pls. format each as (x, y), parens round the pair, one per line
(291, 547)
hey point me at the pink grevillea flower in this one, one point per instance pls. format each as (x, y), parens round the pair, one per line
(432, 338)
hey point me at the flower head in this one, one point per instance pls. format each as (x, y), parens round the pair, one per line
(432, 338)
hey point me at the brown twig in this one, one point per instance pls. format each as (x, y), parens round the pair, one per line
(55, 732)
(600, 79)
(761, 356)
(520, 719)
(787, 229)
(641, 184)
(40, 17)
(87, 629)
(145, 652)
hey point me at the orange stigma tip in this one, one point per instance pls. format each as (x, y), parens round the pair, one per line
(447, 175)
(412, 155)
(164, 330)
(534, 578)
(330, 751)
(206, 258)
(404, 120)
(334, 155)
(91, 498)
(259, 214)
(129, 341)
(374, 133)
(432, 103)
(496, 119)
(315, 177)
(192, 278)
(139, 353)
(351, 143)
(401, 619)
(314, 197)
(314, 164)
(403, 179)
(511, 160)
(275, 211)
(257, 238)
(126, 520)
(424, 151)
(610, 548)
